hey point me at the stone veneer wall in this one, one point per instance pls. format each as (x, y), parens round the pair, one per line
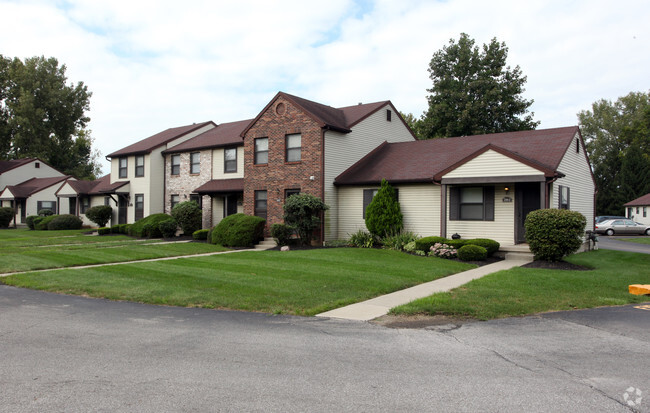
(185, 183)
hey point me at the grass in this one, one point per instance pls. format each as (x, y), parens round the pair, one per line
(12, 238)
(303, 282)
(640, 240)
(523, 291)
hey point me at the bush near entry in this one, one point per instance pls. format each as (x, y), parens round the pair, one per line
(99, 214)
(60, 222)
(188, 215)
(239, 230)
(6, 215)
(383, 214)
(472, 253)
(148, 226)
(553, 234)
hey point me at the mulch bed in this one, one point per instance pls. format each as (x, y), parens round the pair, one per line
(556, 265)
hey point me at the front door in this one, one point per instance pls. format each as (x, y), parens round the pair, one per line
(23, 210)
(527, 199)
(72, 206)
(121, 209)
(231, 204)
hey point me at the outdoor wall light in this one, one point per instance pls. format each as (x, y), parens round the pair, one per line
(506, 189)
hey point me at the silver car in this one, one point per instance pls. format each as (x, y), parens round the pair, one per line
(622, 227)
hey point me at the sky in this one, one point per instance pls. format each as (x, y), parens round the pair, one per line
(153, 65)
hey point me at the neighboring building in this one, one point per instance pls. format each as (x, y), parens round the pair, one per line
(137, 177)
(476, 186)
(19, 170)
(33, 195)
(75, 197)
(637, 210)
(208, 169)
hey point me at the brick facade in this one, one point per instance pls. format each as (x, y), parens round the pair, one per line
(185, 183)
(278, 175)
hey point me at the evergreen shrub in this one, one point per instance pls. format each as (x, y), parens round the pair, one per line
(60, 222)
(168, 227)
(188, 215)
(6, 215)
(490, 245)
(425, 244)
(383, 215)
(239, 230)
(302, 212)
(103, 231)
(282, 233)
(200, 234)
(100, 214)
(472, 253)
(151, 223)
(43, 223)
(30, 221)
(553, 234)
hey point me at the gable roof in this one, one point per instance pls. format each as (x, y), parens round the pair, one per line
(162, 138)
(85, 187)
(640, 201)
(225, 134)
(427, 161)
(14, 163)
(34, 185)
(340, 120)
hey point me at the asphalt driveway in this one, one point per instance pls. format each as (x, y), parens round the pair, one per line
(65, 353)
(615, 243)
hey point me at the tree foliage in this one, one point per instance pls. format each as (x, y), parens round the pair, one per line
(383, 214)
(303, 212)
(100, 214)
(41, 116)
(189, 216)
(474, 92)
(617, 136)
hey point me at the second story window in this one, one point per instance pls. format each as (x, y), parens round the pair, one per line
(176, 165)
(293, 143)
(123, 167)
(230, 160)
(195, 163)
(261, 151)
(139, 165)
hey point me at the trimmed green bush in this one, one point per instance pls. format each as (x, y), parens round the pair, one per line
(138, 228)
(302, 212)
(362, 239)
(43, 223)
(168, 227)
(45, 212)
(103, 231)
(281, 233)
(553, 234)
(188, 215)
(425, 244)
(200, 234)
(64, 222)
(472, 253)
(456, 243)
(239, 230)
(6, 215)
(37, 220)
(124, 228)
(100, 214)
(115, 229)
(337, 243)
(30, 221)
(383, 214)
(490, 245)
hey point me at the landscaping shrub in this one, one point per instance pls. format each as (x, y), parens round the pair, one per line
(200, 234)
(456, 243)
(37, 220)
(442, 251)
(383, 215)
(30, 221)
(115, 229)
(410, 247)
(281, 233)
(103, 230)
(151, 222)
(45, 212)
(337, 243)
(399, 241)
(124, 228)
(43, 223)
(188, 215)
(99, 214)
(67, 221)
(490, 245)
(472, 253)
(425, 244)
(239, 230)
(554, 233)
(362, 239)
(6, 215)
(302, 212)
(168, 227)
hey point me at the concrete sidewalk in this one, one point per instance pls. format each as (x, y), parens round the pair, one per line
(379, 306)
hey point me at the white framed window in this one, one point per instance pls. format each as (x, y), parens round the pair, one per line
(293, 144)
(195, 162)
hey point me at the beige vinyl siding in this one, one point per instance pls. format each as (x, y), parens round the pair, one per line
(492, 163)
(343, 150)
(578, 178)
(502, 229)
(218, 164)
(66, 190)
(28, 171)
(420, 206)
(638, 217)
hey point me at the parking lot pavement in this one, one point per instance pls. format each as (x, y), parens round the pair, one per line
(615, 243)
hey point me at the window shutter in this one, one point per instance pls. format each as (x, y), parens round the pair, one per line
(454, 203)
(568, 198)
(367, 198)
(488, 202)
(559, 196)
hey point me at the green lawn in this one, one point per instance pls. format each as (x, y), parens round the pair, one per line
(522, 291)
(639, 240)
(10, 238)
(296, 282)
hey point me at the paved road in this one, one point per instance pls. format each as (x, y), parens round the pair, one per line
(615, 243)
(62, 353)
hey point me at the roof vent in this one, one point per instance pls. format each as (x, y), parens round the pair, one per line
(360, 103)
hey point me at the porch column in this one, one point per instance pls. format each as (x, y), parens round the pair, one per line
(542, 195)
(443, 210)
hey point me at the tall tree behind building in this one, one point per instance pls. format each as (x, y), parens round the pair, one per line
(42, 116)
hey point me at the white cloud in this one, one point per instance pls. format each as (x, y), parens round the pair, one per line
(158, 64)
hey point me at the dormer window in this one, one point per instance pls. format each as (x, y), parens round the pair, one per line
(37, 165)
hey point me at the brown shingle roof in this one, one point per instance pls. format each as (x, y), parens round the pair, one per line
(221, 185)
(14, 163)
(31, 186)
(225, 134)
(640, 201)
(421, 161)
(148, 144)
